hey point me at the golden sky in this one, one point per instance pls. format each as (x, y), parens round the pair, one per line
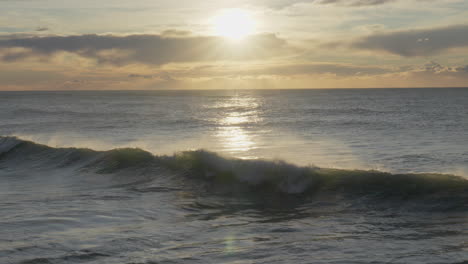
(227, 44)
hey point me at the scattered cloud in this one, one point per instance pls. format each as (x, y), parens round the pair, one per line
(279, 4)
(463, 69)
(437, 68)
(328, 68)
(164, 76)
(357, 2)
(337, 69)
(420, 42)
(41, 29)
(283, 70)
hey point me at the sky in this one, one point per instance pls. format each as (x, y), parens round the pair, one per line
(232, 44)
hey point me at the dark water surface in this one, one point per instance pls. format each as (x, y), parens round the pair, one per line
(85, 197)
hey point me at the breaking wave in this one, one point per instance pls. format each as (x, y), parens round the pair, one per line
(234, 175)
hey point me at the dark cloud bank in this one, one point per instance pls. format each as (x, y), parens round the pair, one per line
(411, 43)
(176, 48)
(146, 49)
(182, 47)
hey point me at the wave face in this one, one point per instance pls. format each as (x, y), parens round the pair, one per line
(241, 176)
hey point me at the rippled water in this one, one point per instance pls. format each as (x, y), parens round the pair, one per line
(418, 130)
(64, 205)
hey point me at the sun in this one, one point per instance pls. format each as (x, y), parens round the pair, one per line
(235, 24)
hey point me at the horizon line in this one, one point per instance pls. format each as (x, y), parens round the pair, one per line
(236, 89)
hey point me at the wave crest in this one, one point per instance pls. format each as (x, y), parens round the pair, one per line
(253, 175)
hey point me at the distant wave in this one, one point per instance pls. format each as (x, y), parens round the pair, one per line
(258, 176)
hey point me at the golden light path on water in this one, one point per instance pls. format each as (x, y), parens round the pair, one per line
(232, 133)
(237, 114)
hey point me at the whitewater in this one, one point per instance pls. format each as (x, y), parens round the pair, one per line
(273, 176)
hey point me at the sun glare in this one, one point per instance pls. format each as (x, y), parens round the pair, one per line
(234, 24)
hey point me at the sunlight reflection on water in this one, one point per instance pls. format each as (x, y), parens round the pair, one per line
(235, 139)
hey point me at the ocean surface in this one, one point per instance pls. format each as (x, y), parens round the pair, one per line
(268, 176)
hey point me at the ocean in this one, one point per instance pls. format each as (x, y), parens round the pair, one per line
(234, 176)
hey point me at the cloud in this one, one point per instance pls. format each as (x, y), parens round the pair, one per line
(357, 2)
(437, 68)
(146, 49)
(332, 71)
(322, 68)
(233, 75)
(141, 76)
(160, 76)
(463, 69)
(279, 70)
(412, 43)
(279, 4)
(40, 29)
(318, 75)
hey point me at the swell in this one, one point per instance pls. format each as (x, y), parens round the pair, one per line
(256, 176)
